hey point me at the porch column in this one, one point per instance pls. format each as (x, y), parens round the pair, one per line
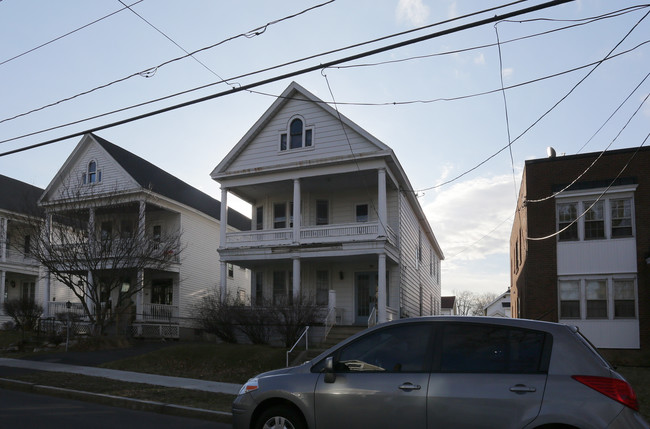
(3, 287)
(139, 296)
(296, 211)
(223, 282)
(381, 201)
(142, 218)
(90, 290)
(46, 288)
(3, 239)
(223, 218)
(381, 290)
(296, 280)
(91, 227)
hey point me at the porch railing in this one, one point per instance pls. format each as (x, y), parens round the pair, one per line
(330, 321)
(58, 307)
(18, 257)
(310, 234)
(159, 313)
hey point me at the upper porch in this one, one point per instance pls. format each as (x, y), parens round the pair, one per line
(346, 207)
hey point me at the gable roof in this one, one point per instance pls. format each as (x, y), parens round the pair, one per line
(19, 197)
(293, 92)
(153, 178)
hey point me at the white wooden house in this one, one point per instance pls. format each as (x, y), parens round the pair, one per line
(334, 217)
(153, 202)
(21, 276)
(499, 307)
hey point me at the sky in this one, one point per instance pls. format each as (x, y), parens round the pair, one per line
(461, 112)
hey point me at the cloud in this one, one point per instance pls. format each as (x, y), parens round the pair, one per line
(479, 59)
(452, 11)
(507, 72)
(412, 11)
(472, 219)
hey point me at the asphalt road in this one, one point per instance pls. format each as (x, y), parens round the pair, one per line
(28, 410)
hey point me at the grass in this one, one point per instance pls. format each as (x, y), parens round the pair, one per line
(230, 363)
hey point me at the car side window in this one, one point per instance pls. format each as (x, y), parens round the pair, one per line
(401, 348)
(491, 348)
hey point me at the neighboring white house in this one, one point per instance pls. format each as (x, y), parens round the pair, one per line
(334, 216)
(155, 203)
(500, 307)
(21, 276)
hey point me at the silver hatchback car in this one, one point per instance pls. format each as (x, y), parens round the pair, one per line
(444, 372)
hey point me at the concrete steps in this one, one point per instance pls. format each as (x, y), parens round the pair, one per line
(336, 335)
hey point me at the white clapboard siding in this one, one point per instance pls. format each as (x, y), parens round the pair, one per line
(329, 140)
(414, 273)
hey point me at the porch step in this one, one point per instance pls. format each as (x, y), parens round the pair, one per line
(338, 334)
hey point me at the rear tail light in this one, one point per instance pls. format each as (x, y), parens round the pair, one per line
(614, 388)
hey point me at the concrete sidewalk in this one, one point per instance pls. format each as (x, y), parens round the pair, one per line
(135, 377)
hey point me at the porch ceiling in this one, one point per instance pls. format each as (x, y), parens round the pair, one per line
(357, 179)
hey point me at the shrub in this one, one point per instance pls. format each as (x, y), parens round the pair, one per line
(216, 316)
(255, 323)
(292, 318)
(24, 312)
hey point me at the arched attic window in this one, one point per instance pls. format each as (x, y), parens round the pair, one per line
(92, 174)
(298, 136)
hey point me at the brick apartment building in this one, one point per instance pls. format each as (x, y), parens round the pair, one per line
(593, 268)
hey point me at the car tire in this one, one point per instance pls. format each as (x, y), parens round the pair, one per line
(280, 417)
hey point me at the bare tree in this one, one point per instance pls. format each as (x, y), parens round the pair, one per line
(96, 244)
(473, 304)
(464, 302)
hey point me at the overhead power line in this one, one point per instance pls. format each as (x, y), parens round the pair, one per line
(152, 70)
(68, 33)
(255, 32)
(302, 71)
(446, 182)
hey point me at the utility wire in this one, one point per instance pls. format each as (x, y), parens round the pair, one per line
(296, 73)
(174, 42)
(68, 33)
(152, 71)
(584, 21)
(392, 103)
(543, 115)
(467, 96)
(597, 158)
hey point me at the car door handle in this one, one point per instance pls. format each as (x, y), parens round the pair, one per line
(407, 387)
(520, 388)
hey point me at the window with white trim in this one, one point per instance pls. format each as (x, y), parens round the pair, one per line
(600, 297)
(322, 287)
(361, 213)
(298, 136)
(92, 174)
(604, 219)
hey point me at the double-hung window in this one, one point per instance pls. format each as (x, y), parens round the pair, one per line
(567, 214)
(596, 294)
(621, 217)
(594, 220)
(570, 299)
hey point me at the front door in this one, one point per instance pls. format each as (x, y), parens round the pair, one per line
(365, 296)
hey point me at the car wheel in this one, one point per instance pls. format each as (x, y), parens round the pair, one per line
(280, 418)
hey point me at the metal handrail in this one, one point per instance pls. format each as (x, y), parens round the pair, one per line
(330, 321)
(304, 334)
(372, 320)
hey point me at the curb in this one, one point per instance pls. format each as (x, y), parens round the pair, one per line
(118, 401)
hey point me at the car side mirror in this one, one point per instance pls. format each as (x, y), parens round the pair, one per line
(330, 375)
